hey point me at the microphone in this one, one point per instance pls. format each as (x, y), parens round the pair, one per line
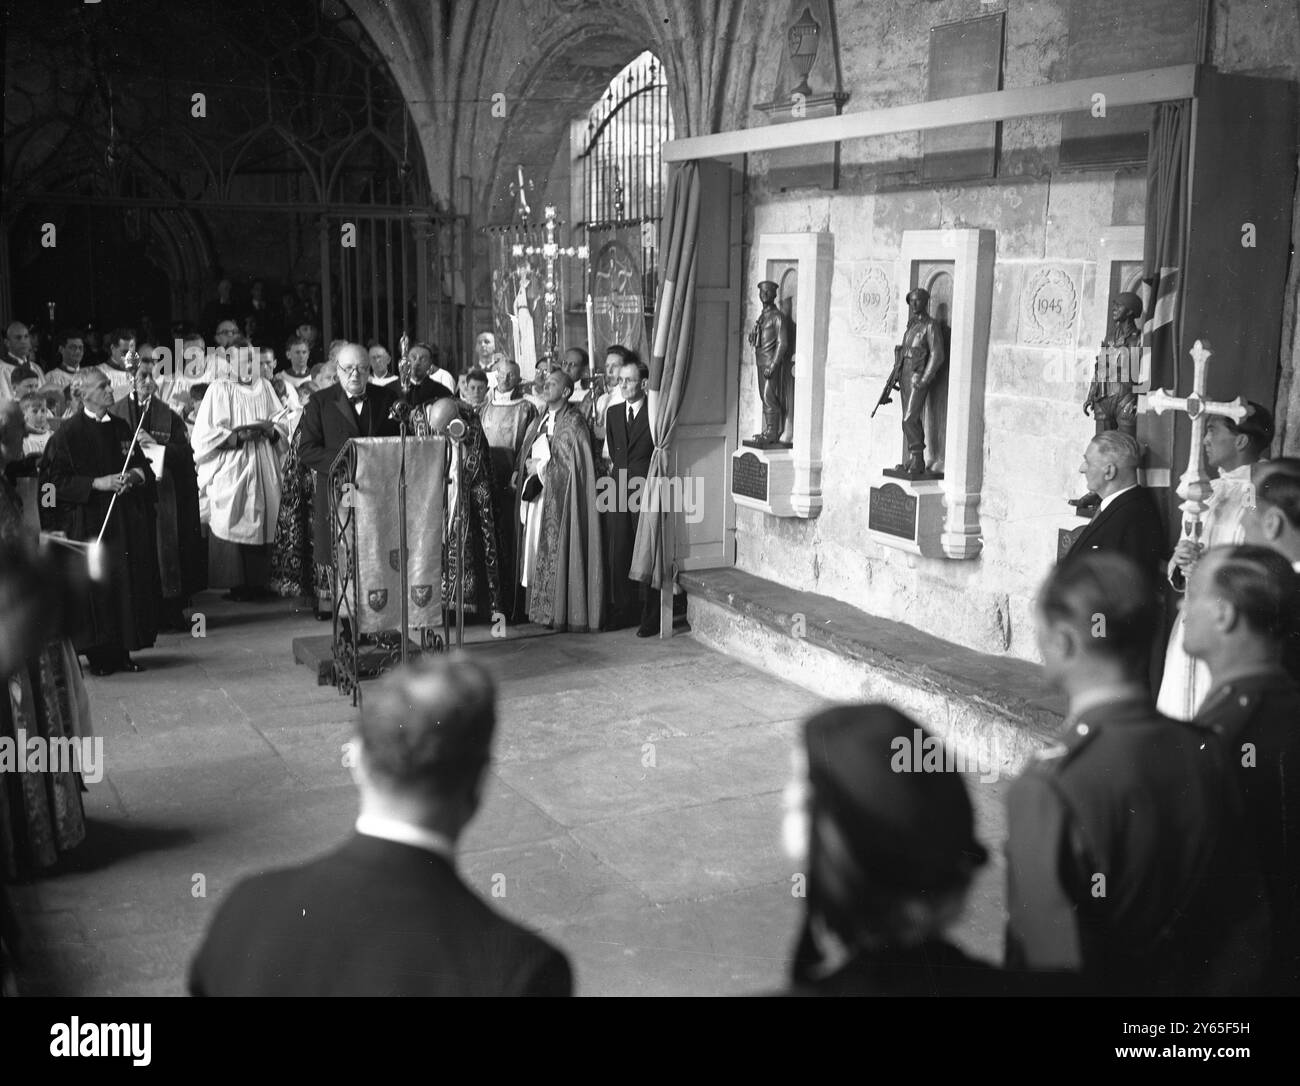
(456, 430)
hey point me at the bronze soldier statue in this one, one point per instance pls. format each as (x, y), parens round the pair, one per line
(1111, 400)
(772, 338)
(919, 358)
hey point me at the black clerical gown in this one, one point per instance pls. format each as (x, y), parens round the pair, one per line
(1257, 717)
(120, 611)
(182, 548)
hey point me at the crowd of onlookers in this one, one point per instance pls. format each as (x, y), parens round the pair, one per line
(1145, 854)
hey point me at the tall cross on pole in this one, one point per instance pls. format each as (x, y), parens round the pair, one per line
(551, 252)
(1194, 487)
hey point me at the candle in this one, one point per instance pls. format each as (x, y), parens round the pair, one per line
(591, 334)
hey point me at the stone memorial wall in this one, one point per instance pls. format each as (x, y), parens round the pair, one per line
(1046, 322)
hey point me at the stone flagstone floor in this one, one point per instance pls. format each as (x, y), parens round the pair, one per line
(633, 813)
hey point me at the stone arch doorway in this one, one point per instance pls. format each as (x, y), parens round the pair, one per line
(587, 151)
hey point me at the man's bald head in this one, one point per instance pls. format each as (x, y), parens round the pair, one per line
(18, 339)
(507, 374)
(352, 363)
(426, 735)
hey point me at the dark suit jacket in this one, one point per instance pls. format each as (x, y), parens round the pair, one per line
(328, 423)
(426, 391)
(373, 918)
(1130, 525)
(629, 449)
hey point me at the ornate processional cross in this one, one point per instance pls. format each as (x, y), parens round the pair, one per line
(1194, 487)
(550, 252)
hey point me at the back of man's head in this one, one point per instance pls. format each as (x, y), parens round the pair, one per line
(1259, 584)
(426, 731)
(1106, 605)
(1279, 488)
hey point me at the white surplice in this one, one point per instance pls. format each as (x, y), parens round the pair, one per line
(241, 486)
(1186, 681)
(531, 512)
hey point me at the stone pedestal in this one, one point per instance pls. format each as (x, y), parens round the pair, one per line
(907, 514)
(764, 479)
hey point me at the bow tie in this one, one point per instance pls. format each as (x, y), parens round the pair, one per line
(354, 400)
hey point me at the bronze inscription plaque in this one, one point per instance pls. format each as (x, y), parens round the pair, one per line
(749, 477)
(892, 511)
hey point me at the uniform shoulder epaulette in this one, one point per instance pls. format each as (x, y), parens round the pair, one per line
(1067, 747)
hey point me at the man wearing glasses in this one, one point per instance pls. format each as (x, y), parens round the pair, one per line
(353, 407)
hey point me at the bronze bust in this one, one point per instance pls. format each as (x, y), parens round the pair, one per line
(772, 338)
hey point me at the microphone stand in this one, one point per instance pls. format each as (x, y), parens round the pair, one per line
(404, 417)
(456, 432)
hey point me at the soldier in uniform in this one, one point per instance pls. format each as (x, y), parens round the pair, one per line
(1127, 861)
(1241, 603)
(922, 356)
(1111, 401)
(773, 342)
(1274, 522)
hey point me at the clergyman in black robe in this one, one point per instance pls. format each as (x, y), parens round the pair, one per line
(84, 463)
(182, 548)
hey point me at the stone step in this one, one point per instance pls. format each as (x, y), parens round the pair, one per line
(993, 711)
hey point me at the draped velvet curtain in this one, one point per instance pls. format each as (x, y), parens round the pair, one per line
(670, 362)
(1164, 261)
(1165, 247)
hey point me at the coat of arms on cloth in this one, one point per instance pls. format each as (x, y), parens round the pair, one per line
(421, 594)
(377, 598)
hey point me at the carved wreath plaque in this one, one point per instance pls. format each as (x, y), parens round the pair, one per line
(1049, 306)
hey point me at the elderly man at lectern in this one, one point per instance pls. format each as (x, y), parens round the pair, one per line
(351, 408)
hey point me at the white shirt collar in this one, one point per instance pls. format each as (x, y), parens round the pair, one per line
(1111, 497)
(392, 829)
(635, 408)
(94, 418)
(506, 398)
(1240, 474)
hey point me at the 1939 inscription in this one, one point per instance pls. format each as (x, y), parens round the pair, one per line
(749, 477)
(892, 511)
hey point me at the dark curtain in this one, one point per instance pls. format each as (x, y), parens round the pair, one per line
(1164, 258)
(670, 362)
(1165, 248)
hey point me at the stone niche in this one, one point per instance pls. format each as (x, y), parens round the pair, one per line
(788, 482)
(939, 517)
